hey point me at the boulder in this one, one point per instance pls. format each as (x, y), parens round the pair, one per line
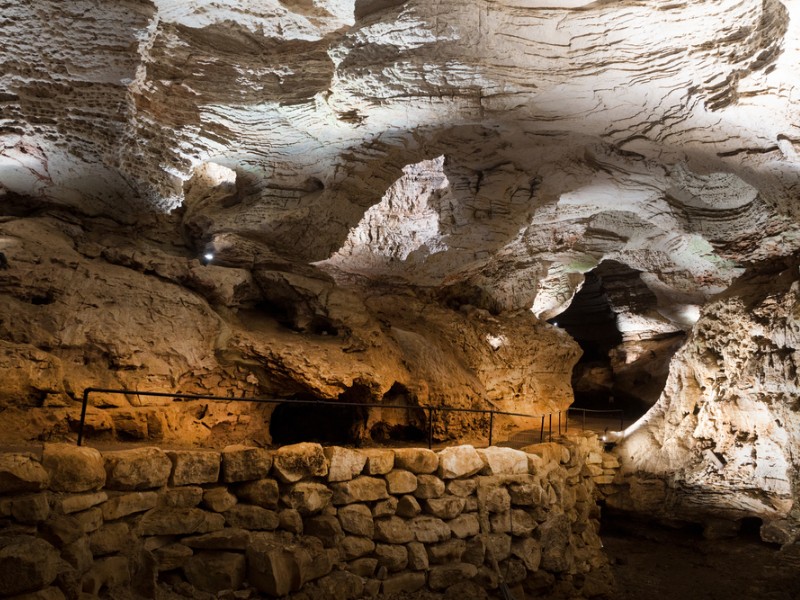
(78, 502)
(78, 555)
(465, 526)
(385, 508)
(503, 461)
(137, 469)
(522, 523)
(416, 460)
(529, 551)
(307, 497)
(194, 467)
(230, 538)
(353, 547)
(462, 487)
(261, 492)
(216, 571)
(403, 583)
(31, 509)
(343, 463)
(290, 520)
(300, 461)
(443, 576)
(326, 528)
(408, 507)
(172, 556)
(73, 468)
(394, 558)
(357, 519)
(127, 504)
(417, 556)
(400, 481)
(379, 461)
(182, 497)
(449, 551)
(393, 530)
(341, 585)
(21, 473)
(251, 517)
(459, 461)
(107, 574)
(218, 499)
(429, 529)
(446, 507)
(178, 521)
(110, 538)
(429, 486)
(245, 463)
(27, 564)
(361, 489)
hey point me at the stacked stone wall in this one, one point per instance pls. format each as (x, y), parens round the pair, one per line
(333, 522)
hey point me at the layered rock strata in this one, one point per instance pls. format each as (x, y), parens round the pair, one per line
(346, 523)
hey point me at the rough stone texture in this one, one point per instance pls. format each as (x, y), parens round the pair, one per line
(72, 468)
(400, 481)
(307, 497)
(503, 461)
(299, 461)
(21, 473)
(357, 519)
(71, 504)
(416, 460)
(127, 504)
(194, 467)
(137, 469)
(429, 486)
(215, 571)
(379, 461)
(172, 521)
(361, 489)
(343, 463)
(27, 564)
(459, 461)
(251, 517)
(262, 492)
(218, 499)
(243, 463)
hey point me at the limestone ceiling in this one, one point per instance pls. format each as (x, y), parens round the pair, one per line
(506, 145)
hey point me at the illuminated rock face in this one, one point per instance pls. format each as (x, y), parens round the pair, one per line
(388, 188)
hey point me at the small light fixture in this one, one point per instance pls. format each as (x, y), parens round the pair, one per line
(207, 258)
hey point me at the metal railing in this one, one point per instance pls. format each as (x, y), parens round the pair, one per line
(612, 411)
(540, 420)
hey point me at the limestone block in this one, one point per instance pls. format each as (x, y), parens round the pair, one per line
(65, 529)
(442, 577)
(179, 521)
(498, 500)
(218, 499)
(110, 538)
(473, 591)
(215, 571)
(31, 509)
(363, 567)
(465, 526)
(355, 547)
(137, 469)
(610, 461)
(527, 494)
(549, 452)
(21, 473)
(172, 556)
(403, 583)
(341, 585)
(361, 489)
(27, 564)
(499, 545)
(307, 497)
(500, 522)
(343, 463)
(290, 520)
(107, 573)
(230, 538)
(429, 486)
(379, 461)
(299, 461)
(393, 530)
(394, 558)
(194, 467)
(462, 487)
(503, 461)
(554, 537)
(471, 504)
(408, 507)
(88, 520)
(357, 519)
(475, 553)
(449, 551)
(73, 468)
(400, 481)
(247, 516)
(446, 507)
(78, 555)
(529, 551)
(459, 461)
(522, 523)
(122, 505)
(261, 492)
(245, 463)
(272, 569)
(385, 508)
(78, 502)
(324, 527)
(417, 556)
(427, 529)
(181, 497)
(416, 460)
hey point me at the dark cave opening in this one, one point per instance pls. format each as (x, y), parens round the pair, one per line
(616, 373)
(404, 423)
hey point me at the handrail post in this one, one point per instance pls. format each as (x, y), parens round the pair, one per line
(86, 393)
(430, 427)
(566, 421)
(491, 425)
(559, 422)
(541, 431)
(550, 427)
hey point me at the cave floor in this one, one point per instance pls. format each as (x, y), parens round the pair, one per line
(658, 563)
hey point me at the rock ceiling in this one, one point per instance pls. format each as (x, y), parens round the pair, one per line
(491, 153)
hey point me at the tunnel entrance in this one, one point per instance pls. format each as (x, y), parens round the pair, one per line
(617, 372)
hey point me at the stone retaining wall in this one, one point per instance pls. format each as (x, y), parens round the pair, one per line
(336, 522)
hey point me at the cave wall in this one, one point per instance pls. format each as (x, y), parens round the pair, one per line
(332, 521)
(722, 439)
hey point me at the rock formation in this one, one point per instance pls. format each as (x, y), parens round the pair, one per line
(391, 199)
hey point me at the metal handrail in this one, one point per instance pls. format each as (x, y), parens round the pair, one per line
(617, 411)
(430, 409)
